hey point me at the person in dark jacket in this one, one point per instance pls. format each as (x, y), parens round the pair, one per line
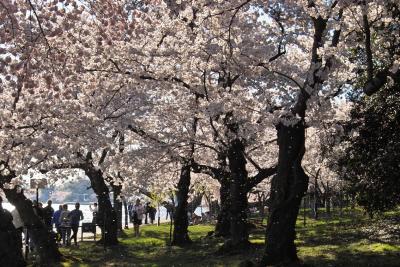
(37, 209)
(76, 216)
(151, 211)
(56, 222)
(48, 212)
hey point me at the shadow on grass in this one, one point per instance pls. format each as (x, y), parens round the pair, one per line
(155, 234)
(347, 258)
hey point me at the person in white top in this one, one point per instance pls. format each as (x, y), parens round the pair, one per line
(94, 210)
(138, 211)
(65, 224)
(17, 221)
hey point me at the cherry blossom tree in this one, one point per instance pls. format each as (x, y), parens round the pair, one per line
(185, 76)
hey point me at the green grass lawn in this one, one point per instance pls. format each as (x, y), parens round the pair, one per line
(347, 240)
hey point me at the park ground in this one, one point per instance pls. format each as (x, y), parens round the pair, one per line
(350, 239)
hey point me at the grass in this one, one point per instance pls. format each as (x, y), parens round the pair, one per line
(151, 249)
(348, 240)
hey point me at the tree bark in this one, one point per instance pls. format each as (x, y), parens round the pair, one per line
(126, 213)
(43, 239)
(328, 199)
(287, 189)
(181, 223)
(222, 228)
(117, 205)
(106, 215)
(238, 195)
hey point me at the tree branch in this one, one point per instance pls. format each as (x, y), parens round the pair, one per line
(259, 177)
(368, 50)
(213, 172)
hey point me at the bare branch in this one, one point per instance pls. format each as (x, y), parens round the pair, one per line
(260, 176)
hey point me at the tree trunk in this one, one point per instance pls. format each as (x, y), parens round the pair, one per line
(315, 202)
(315, 207)
(340, 203)
(181, 223)
(106, 215)
(328, 199)
(43, 239)
(238, 195)
(287, 189)
(126, 213)
(118, 205)
(222, 228)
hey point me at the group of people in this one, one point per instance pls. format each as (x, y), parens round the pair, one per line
(63, 220)
(66, 221)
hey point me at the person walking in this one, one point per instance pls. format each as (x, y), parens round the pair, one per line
(138, 211)
(56, 222)
(65, 225)
(152, 213)
(48, 212)
(75, 217)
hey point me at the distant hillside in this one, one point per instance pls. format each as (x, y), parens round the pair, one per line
(70, 191)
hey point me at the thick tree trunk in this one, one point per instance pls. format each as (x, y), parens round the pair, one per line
(106, 215)
(238, 195)
(43, 239)
(287, 189)
(222, 228)
(118, 205)
(181, 223)
(10, 242)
